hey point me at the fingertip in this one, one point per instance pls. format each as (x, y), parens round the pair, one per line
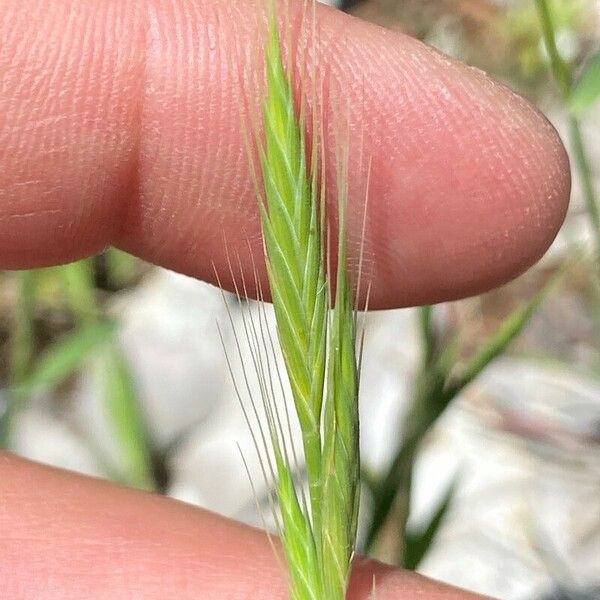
(470, 183)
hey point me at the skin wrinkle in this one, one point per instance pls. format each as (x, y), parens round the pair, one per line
(137, 90)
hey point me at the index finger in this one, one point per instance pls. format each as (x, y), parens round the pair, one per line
(119, 124)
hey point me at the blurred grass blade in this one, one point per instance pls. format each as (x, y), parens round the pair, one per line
(121, 267)
(435, 389)
(23, 343)
(586, 90)
(22, 348)
(120, 398)
(427, 330)
(429, 402)
(65, 357)
(78, 278)
(562, 72)
(125, 418)
(55, 365)
(417, 544)
(497, 344)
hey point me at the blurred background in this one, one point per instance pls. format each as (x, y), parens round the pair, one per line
(481, 418)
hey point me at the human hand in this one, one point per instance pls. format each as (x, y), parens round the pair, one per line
(119, 124)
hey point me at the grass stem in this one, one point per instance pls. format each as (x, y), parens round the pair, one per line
(563, 76)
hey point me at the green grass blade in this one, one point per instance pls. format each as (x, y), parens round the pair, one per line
(55, 365)
(125, 417)
(120, 397)
(121, 267)
(562, 73)
(586, 90)
(560, 68)
(65, 357)
(435, 389)
(498, 343)
(427, 330)
(429, 403)
(78, 280)
(22, 349)
(417, 544)
(23, 343)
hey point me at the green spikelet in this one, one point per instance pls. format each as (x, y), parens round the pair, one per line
(318, 345)
(291, 229)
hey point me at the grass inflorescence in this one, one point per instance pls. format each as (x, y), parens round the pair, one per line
(316, 330)
(318, 345)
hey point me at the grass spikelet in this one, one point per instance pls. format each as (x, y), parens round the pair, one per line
(318, 341)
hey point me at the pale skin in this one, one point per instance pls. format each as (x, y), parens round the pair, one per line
(119, 125)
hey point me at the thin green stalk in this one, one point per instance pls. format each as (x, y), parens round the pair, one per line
(429, 402)
(22, 350)
(563, 76)
(437, 385)
(417, 543)
(587, 180)
(560, 68)
(395, 488)
(119, 392)
(427, 330)
(23, 331)
(126, 418)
